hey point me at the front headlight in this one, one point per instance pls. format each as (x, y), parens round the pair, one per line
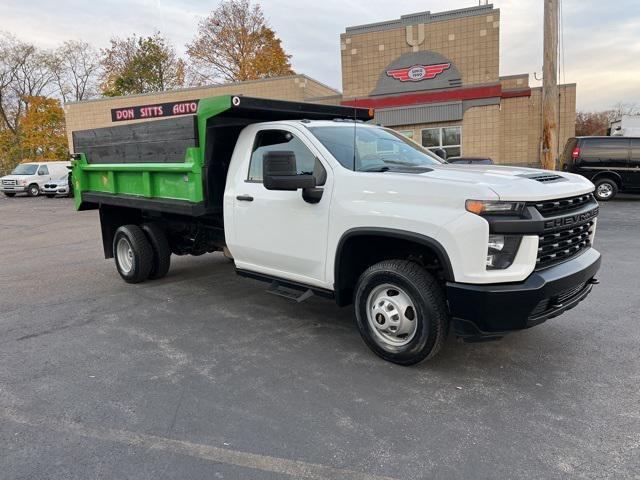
(494, 207)
(501, 251)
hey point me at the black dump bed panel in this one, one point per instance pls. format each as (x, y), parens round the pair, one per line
(158, 141)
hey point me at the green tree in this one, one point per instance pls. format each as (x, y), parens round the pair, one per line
(235, 43)
(140, 65)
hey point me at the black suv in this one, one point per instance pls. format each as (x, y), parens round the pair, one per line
(611, 163)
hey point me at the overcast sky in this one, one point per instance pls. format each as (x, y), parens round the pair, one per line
(601, 38)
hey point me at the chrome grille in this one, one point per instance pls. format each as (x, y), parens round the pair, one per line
(562, 244)
(9, 182)
(553, 207)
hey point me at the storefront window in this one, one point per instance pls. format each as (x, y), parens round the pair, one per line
(448, 138)
(407, 133)
(431, 137)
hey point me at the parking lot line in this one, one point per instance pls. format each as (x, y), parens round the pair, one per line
(284, 466)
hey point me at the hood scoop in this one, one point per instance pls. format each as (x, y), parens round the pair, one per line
(543, 177)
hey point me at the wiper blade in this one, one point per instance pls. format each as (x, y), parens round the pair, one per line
(376, 169)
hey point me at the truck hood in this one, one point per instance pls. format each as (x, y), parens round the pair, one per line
(515, 183)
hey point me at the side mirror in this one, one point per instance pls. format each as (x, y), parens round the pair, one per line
(40, 172)
(441, 152)
(279, 172)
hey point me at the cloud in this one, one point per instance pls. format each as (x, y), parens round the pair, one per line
(601, 43)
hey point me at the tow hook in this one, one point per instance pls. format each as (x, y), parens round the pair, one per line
(594, 281)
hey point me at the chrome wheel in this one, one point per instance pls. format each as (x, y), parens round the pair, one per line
(391, 315)
(124, 252)
(34, 190)
(604, 190)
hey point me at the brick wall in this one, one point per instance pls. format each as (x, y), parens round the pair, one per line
(472, 44)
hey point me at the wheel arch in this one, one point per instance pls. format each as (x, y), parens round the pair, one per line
(359, 248)
(608, 174)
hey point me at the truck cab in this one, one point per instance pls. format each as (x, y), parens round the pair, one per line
(315, 201)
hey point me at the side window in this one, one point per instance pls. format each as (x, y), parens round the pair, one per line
(589, 152)
(603, 150)
(279, 140)
(43, 170)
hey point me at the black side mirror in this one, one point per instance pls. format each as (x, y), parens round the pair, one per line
(441, 152)
(279, 172)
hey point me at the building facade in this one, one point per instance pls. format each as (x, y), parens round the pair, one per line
(435, 77)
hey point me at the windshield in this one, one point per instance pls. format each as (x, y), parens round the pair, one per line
(367, 149)
(25, 169)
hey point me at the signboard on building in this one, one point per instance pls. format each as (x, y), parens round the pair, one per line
(417, 71)
(158, 110)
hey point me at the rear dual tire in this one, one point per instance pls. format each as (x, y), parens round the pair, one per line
(133, 254)
(141, 253)
(401, 312)
(161, 250)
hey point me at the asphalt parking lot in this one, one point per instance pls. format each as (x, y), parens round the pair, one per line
(203, 375)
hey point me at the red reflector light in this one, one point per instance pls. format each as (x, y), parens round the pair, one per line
(576, 153)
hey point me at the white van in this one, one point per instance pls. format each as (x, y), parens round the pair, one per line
(30, 178)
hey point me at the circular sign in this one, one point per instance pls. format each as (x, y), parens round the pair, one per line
(417, 72)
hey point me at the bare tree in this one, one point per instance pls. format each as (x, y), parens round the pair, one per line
(622, 108)
(24, 73)
(75, 67)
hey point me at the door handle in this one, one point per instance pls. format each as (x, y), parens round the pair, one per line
(245, 198)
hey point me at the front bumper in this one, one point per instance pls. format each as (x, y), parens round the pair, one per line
(13, 188)
(56, 191)
(492, 310)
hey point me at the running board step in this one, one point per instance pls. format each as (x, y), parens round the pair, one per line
(287, 292)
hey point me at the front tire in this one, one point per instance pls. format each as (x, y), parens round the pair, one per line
(605, 190)
(33, 190)
(401, 312)
(133, 254)
(161, 250)
(10, 194)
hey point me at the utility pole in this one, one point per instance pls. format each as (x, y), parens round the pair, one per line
(550, 86)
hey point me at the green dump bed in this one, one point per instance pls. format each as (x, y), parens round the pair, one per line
(177, 164)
